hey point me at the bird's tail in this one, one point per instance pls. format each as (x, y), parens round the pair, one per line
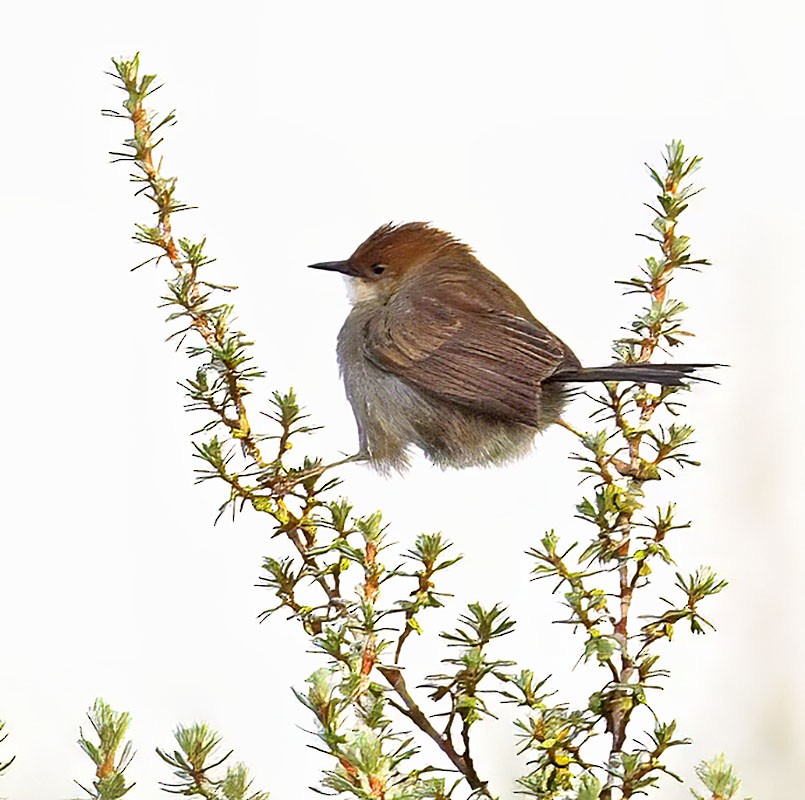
(665, 374)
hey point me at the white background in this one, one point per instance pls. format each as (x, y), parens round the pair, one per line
(520, 127)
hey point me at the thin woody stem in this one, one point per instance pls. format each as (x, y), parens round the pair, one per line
(161, 194)
(619, 711)
(461, 761)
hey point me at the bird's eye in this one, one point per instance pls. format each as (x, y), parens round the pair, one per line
(378, 269)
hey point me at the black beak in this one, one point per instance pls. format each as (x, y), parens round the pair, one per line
(344, 267)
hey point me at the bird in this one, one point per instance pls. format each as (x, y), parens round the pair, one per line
(438, 353)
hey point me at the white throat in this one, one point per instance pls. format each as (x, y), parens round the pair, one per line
(360, 290)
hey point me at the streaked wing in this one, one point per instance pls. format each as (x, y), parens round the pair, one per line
(466, 349)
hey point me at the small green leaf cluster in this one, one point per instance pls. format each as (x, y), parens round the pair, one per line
(427, 556)
(196, 762)
(110, 729)
(719, 779)
(695, 588)
(553, 735)
(472, 665)
(370, 757)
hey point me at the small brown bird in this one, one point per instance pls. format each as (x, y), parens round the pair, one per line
(439, 353)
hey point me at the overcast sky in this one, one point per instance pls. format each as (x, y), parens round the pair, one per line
(520, 127)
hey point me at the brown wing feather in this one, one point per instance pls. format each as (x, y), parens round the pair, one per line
(467, 347)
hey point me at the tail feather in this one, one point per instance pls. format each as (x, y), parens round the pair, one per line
(665, 374)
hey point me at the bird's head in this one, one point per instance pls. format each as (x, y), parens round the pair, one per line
(378, 267)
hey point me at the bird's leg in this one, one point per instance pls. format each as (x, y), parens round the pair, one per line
(567, 426)
(314, 472)
(355, 457)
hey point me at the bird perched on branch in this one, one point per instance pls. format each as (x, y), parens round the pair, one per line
(439, 353)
